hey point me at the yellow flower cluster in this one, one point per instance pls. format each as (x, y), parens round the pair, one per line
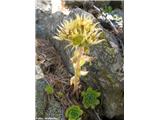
(80, 32)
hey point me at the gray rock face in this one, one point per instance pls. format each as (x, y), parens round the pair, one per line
(46, 107)
(44, 5)
(40, 99)
(106, 71)
(118, 12)
(54, 110)
(85, 4)
(46, 23)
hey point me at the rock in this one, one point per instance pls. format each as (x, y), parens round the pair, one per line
(118, 17)
(44, 5)
(54, 110)
(46, 108)
(118, 12)
(39, 73)
(101, 3)
(105, 73)
(77, 3)
(46, 23)
(85, 4)
(40, 99)
(117, 4)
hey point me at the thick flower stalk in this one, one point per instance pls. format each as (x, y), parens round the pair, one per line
(81, 33)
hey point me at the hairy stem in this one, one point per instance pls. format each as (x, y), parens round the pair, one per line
(77, 68)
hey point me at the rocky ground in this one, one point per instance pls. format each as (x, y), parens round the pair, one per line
(50, 70)
(53, 64)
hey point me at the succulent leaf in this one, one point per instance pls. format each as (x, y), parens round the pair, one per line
(83, 73)
(82, 62)
(49, 89)
(73, 112)
(90, 98)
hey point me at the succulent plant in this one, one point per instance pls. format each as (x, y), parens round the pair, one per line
(90, 98)
(73, 113)
(49, 89)
(81, 33)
